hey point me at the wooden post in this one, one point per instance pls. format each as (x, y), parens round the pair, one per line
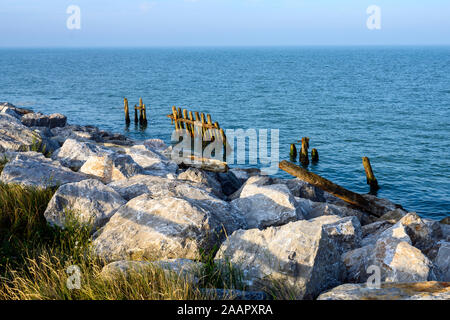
(293, 152)
(191, 117)
(304, 157)
(136, 119)
(141, 117)
(314, 155)
(175, 118)
(348, 196)
(203, 122)
(371, 180)
(127, 113)
(185, 117)
(180, 116)
(144, 116)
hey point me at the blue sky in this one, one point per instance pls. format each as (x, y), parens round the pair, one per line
(42, 23)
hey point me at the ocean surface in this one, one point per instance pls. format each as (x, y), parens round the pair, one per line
(391, 104)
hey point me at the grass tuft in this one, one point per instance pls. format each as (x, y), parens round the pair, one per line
(35, 257)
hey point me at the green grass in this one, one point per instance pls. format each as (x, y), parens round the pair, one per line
(34, 258)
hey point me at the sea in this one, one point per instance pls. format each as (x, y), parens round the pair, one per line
(391, 104)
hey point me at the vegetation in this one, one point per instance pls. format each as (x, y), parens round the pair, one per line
(35, 257)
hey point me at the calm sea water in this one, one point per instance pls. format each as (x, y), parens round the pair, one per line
(391, 104)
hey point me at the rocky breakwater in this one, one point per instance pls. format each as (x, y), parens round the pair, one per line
(288, 238)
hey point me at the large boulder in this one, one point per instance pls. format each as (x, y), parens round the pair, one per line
(14, 136)
(111, 167)
(33, 169)
(398, 261)
(302, 189)
(257, 180)
(204, 178)
(185, 269)
(87, 201)
(372, 232)
(390, 291)
(423, 235)
(167, 228)
(300, 256)
(73, 154)
(266, 206)
(442, 260)
(151, 160)
(41, 120)
(346, 231)
(311, 209)
(82, 133)
(229, 182)
(155, 144)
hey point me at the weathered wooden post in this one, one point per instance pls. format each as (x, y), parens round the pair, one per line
(180, 116)
(175, 118)
(191, 117)
(136, 119)
(371, 180)
(348, 196)
(293, 152)
(127, 113)
(185, 117)
(314, 155)
(144, 116)
(202, 115)
(304, 157)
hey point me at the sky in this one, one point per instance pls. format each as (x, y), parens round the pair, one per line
(142, 23)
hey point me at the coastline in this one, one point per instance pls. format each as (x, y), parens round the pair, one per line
(141, 207)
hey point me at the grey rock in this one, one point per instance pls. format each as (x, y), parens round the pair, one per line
(393, 216)
(89, 201)
(183, 269)
(73, 154)
(390, 291)
(442, 260)
(311, 210)
(33, 169)
(151, 160)
(204, 178)
(14, 136)
(300, 256)
(229, 182)
(166, 228)
(266, 206)
(111, 167)
(303, 189)
(257, 180)
(42, 120)
(346, 232)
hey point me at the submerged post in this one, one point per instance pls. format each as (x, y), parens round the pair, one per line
(371, 180)
(141, 116)
(127, 113)
(144, 116)
(136, 119)
(314, 155)
(293, 152)
(304, 157)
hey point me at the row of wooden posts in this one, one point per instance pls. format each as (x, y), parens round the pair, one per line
(141, 119)
(304, 160)
(199, 126)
